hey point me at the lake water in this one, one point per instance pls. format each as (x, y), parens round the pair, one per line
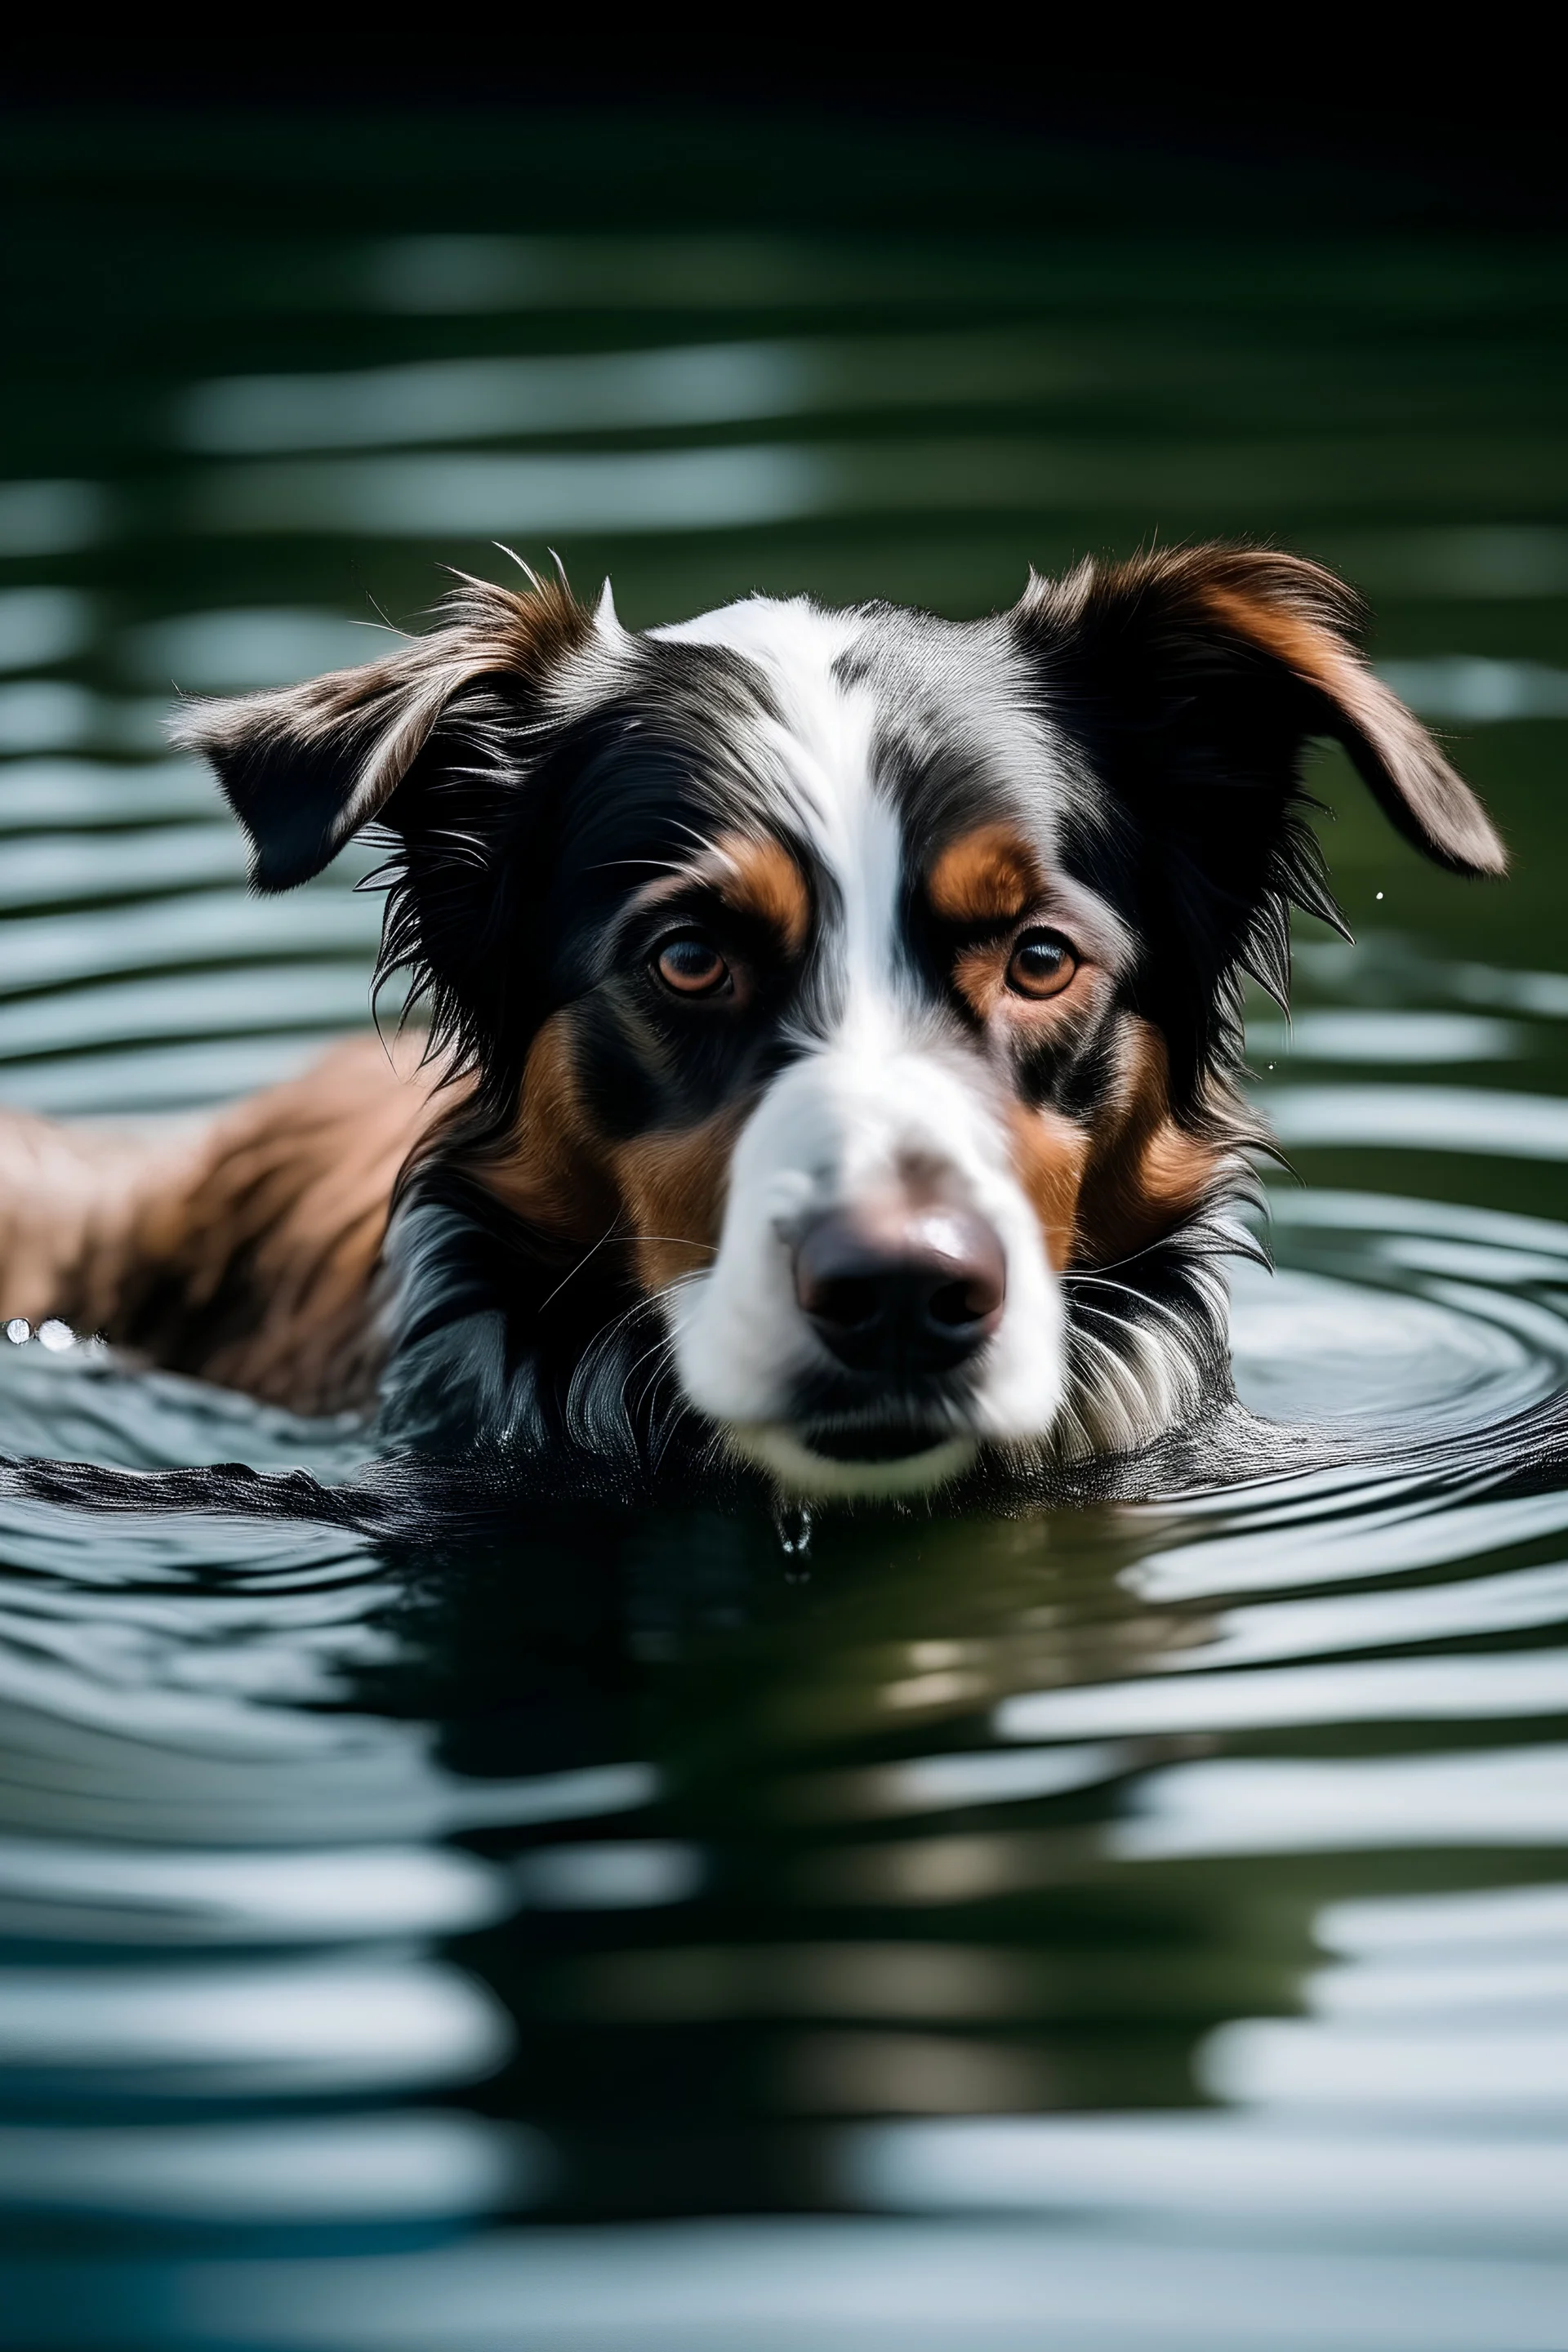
(1124, 1928)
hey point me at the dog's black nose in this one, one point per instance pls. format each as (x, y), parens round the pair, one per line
(901, 1291)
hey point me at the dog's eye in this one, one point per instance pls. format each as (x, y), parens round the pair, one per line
(692, 966)
(1042, 964)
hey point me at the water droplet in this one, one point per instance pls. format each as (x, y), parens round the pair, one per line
(792, 1521)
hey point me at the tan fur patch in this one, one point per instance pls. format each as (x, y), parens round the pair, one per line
(988, 876)
(760, 878)
(1302, 645)
(1049, 1157)
(552, 1171)
(1102, 1194)
(980, 975)
(1395, 754)
(1145, 1174)
(662, 1195)
(673, 1190)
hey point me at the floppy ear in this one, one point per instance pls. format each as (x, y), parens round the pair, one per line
(1192, 682)
(305, 767)
(1251, 653)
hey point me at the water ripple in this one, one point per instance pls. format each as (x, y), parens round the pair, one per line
(1151, 1916)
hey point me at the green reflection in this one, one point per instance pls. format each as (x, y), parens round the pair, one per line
(765, 1858)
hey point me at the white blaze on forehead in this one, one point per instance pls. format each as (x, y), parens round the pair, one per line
(783, 634)
(876, 1092)
(823, 740)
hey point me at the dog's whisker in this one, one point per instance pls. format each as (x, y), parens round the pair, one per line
(616, 1233)
(1143, 1299)
(551, 1296)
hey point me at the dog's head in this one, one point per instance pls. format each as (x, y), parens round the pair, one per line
(862, 987)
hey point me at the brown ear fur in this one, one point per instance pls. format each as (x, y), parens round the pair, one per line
(305, 767)
(1205, 611)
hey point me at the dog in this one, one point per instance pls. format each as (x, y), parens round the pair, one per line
(834, 1025)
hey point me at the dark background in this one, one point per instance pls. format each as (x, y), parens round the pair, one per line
(1263, 124)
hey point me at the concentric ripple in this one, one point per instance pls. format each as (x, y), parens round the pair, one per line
(608, 1933)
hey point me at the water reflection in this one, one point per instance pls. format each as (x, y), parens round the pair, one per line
(1151, 1917)
(232, 652)
(1299, 2178)
(43, 517)
(1428, 1119)
(1470, 686)
(470, 496)
(1502, 1797)
(39, 626)
(308, 2026)
(504, 399)
(1398, 1039)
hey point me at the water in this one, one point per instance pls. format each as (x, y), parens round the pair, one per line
(1125, 1928)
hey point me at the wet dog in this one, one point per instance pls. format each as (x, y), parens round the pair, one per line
(834, 1028)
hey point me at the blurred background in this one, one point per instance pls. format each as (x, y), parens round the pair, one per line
(268, 373)
(603, 1936)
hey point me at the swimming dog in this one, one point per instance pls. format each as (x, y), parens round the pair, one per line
(834, 1028)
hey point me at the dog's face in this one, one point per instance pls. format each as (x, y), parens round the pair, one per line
(860, 985)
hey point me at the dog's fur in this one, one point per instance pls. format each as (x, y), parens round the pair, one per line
(595, 1184)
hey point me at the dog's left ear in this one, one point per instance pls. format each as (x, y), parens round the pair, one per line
(1200, 674)
(306, 766)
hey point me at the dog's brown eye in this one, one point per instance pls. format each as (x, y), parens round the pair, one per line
(1042, 964)
(692, 966)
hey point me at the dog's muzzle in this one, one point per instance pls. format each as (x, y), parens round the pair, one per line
(880, 1304)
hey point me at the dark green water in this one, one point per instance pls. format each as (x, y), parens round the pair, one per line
(1131, 1928)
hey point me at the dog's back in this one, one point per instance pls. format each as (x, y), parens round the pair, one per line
(242, 1249)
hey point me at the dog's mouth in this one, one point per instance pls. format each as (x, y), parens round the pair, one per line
(885, 1441)
(852, 1459)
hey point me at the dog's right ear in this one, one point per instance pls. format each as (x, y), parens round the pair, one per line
(305, 767)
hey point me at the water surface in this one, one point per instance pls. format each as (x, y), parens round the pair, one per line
(1125, 1927)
